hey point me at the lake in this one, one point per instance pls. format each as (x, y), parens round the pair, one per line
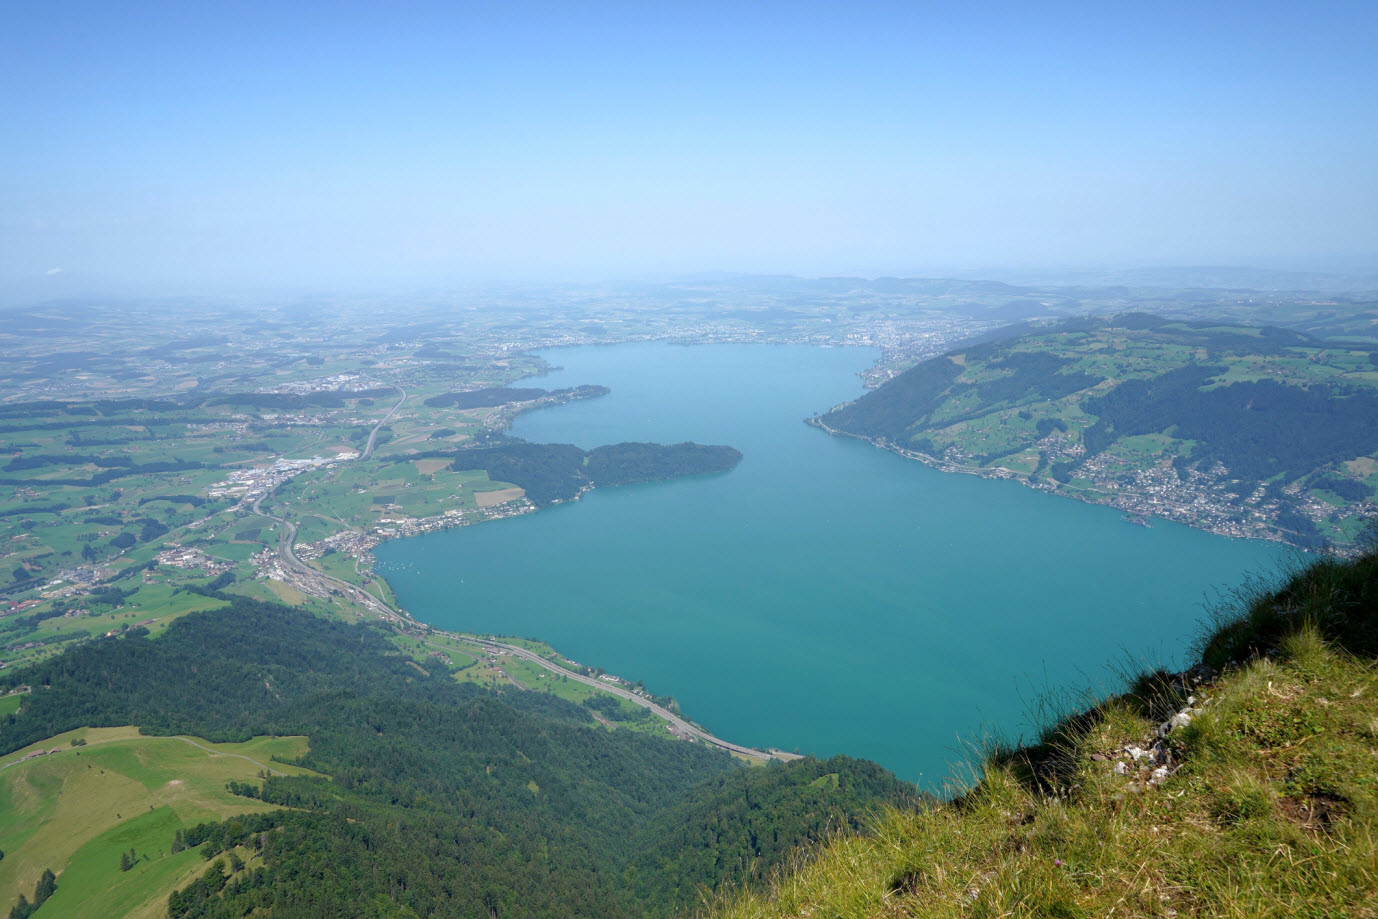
(825, 595)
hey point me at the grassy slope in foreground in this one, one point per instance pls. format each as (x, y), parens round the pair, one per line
(1270, 808)
(1245, 431)
(442, 799)
(79, 809)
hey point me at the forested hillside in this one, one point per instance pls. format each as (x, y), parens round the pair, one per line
(441, 799)
(559, 472)
(1242, 430)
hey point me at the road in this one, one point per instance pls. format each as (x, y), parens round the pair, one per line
(287, 536)
(198, 746)
(373, 435)
(676, 722)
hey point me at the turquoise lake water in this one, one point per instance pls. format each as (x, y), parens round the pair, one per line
(825, 595)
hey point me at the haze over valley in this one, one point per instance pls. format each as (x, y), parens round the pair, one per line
(538, 460)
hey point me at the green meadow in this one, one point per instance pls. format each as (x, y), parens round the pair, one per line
(76, 810)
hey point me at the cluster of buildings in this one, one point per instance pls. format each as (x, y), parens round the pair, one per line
(192, 560)
(240, 425)
(268, 565)
(340, 382)
(38, 753)
(902, 340)
(389, 527)
(133, 625)
(249, 485)
(1210, 500)
(355, 545)
(73, 581)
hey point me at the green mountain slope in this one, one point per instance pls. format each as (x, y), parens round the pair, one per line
(417, 796)
(1253, 793)
(1247, 431)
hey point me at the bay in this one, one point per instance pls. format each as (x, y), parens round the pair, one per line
(825, 595)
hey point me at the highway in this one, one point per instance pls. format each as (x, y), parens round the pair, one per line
(373, 435)
(287, 535)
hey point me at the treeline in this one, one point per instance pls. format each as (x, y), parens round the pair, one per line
(101, 596)
(909, 399)
(101, 407)
(906, 403)
(484, 398)
(47, 886)
(741, 820)
(115, 471)
(278, 400)
(193, 500)
(44, 460)
(257, 659)
(630, 463)
(503, 395)
(1026, 376)
(1256, 429)
(25, 510)
(118, 421)
(547, 472)
(558, 472)
(1348, 489)
(442, 799)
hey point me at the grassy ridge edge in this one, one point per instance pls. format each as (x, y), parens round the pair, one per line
(1260, 798)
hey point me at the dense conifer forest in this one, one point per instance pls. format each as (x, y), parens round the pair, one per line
(559, 472)
(434, 798)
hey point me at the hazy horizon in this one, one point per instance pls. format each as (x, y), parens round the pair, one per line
(212, 148)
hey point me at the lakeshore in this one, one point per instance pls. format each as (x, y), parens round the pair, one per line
(1193, 507)
(824, 595)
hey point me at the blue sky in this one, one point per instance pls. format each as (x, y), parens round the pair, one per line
(199, 145)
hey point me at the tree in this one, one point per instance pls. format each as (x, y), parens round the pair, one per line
(47, 885)
(126, 861)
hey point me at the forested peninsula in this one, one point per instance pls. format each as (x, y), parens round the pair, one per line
(551, 473)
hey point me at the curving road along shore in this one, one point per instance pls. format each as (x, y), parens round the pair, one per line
(677, 724)
(288, 535)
